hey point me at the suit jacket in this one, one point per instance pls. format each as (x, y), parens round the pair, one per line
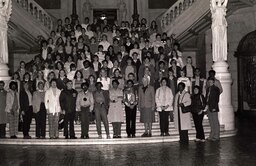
(178, 69)
(10, 100)
(212, 98)
(24, 101)
(106, 100)
(68, 100)
(52, 103)
(147, 99)
(37, 100)
(164, 97)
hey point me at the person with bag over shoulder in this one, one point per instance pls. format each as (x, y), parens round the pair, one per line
(182, 121)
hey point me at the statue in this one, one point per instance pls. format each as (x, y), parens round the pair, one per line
(219, 30)
(87, 8)
(122, 11)
(5, 13)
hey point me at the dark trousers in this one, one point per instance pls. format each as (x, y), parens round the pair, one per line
(164, 121)
(2, 130)
(198, 120)
(40, 123)
(69, 119)
(84, 117)
(130, 120)
(116, 128)
(27, 118)
(101, 115)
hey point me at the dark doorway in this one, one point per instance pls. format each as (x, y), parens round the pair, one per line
(246, 58)
(109, 14)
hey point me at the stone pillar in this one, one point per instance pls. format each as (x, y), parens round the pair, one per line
(5, 12)
(219, 53)
(74, 15)
(135, 15)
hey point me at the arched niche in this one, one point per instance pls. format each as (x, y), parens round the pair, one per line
(246, 58)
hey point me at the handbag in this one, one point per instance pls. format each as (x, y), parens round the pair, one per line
(185, 109)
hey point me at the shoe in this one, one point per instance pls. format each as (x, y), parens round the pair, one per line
(73, 137)
(108, 137)
(197, 140)
(87, 137)
(66, 137)
(128, 136)
(149, 135)
(13, 137)
(144, 135)
(100, 137)
(43, 137)
(208, 138)
(27, 137)
(119, 136)
(133, 136)
(82, 137)
(202, 140)
(51, 137)
(167, 134)
(114, 136)
(162, 134)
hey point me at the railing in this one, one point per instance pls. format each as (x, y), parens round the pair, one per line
(37, 12)
(174, 11)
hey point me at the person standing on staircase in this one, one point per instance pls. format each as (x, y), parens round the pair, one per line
(84, 105)
(212, 107)
(68, 106)
(164, 104)
(101, 106)
(52, 106)
(3, 115)
(26, 108)
(12, 109)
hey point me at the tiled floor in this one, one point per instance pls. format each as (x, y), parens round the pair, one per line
(238, 150)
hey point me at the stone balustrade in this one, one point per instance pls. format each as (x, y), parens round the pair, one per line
(174, 11)
(37, 12)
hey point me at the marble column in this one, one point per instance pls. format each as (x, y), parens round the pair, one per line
(74, 15)
(5, 13)
(219, 53)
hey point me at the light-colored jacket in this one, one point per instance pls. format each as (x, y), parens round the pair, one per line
(52, 103)
(38, 98)
(164, 97)
(116, 113)
(185, 118)
(10, 100)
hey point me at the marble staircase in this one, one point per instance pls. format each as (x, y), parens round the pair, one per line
(156, 138)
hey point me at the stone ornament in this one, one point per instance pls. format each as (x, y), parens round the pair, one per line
(5, 13)
(87, 8)
(122, 11)
(219, 30)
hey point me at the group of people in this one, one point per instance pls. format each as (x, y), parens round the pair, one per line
(98, 71)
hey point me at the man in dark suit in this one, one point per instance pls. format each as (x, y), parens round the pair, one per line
(68, 106)
(212, 100)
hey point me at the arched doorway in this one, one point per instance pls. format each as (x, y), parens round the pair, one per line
(246, 54)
